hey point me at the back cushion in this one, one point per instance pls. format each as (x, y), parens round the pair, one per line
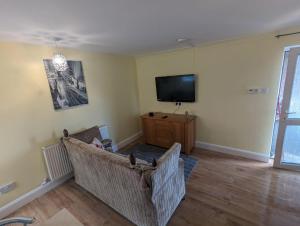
(88, 135)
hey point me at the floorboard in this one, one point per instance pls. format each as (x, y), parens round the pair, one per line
(222, 190)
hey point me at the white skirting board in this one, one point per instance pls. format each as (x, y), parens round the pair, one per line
(30, 196)
(127, 141)
(39, 191)
(233, 151)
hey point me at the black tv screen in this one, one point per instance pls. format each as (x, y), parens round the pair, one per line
(177, 88)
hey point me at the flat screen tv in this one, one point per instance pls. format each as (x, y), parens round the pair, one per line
(177, 88)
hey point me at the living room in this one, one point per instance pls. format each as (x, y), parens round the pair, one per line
(223, 150)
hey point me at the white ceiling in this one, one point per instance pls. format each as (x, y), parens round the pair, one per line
(140, 26)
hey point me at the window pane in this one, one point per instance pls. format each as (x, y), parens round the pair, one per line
(294, 108)
(291, 145)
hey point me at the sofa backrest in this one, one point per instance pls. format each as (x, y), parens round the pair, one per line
(79, 147)
(88, 135)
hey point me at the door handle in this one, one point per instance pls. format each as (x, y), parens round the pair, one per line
(290, 113)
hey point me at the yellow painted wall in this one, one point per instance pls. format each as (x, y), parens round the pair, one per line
(28, 120)
(227, 115)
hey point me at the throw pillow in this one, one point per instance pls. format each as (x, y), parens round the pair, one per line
(132, 159)
(97, 143)
(145, 170)
(154, 162)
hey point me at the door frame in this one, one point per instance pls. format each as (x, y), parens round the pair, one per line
(284, 121)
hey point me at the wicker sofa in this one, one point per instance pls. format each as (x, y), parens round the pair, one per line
(145, 195)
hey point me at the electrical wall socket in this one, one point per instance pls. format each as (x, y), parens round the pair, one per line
(258, 91)
(7, 188)
(45, 181)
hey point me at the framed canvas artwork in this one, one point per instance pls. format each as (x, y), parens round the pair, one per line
(68, 88)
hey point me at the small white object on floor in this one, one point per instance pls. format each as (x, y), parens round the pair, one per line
(62, 218)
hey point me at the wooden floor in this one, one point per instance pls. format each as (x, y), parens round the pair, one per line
(222, 190)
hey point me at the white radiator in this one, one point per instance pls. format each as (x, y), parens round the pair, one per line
(57, 161)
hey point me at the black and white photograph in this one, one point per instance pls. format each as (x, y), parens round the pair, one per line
(68, 88)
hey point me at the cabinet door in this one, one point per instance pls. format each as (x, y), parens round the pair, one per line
(189, 137)
(149, 131)
(163, 134)
(167, 133)
(178, 132)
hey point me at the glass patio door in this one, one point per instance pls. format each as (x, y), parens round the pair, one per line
(287, 153)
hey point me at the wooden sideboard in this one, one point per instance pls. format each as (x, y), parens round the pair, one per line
(164, 130)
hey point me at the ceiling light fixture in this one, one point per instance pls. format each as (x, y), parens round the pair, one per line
(185, 41)
(180, 40)
(59, 61)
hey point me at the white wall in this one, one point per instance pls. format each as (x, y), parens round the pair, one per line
(227, 115)
(27, 117)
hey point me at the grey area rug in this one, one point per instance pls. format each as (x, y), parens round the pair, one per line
(148, 152)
